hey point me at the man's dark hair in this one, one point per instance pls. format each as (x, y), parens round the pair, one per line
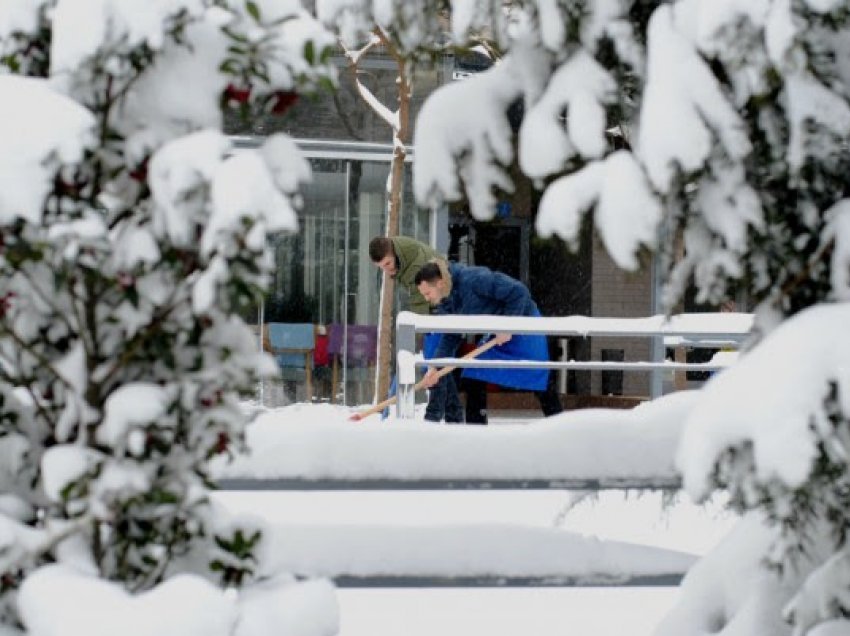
(379, 247)
(429, 273)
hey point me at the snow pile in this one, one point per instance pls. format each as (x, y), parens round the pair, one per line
(778, 408)
(32, 154)
(181, 606)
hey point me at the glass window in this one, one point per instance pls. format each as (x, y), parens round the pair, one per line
(323, 276)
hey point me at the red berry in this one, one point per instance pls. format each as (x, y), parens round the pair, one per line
(222, 443)
(237, 94)
(283, 101)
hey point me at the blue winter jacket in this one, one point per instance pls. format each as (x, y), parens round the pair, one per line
(478, 290)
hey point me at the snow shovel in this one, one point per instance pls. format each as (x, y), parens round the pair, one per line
(380, 406)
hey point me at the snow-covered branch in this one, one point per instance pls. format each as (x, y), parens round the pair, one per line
(385, 114)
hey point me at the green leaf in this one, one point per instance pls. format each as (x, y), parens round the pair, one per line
(310, 52)
(253, 9)
(161, 496)
(327, 84)
(260, 70)
(233, 35)
(229, 66)
(11, 62)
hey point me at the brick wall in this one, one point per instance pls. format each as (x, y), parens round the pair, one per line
(616, 293)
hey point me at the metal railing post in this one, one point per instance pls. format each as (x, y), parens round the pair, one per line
(656, 377)
(405, 370)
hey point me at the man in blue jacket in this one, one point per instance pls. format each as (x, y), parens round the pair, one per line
(460, 289)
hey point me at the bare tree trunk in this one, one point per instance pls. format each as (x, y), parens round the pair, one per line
(399, 122)
(401, 135)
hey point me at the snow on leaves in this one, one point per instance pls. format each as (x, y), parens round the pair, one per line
(465, 138)
(582, 88)
(32, 154)
(627, 212)
(178, 175)
(838, 232)
(684, 111)
(133, 238)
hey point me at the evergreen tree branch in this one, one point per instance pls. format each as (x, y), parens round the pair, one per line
(804, 275)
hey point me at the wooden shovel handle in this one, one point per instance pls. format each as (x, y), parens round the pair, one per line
(380, 406)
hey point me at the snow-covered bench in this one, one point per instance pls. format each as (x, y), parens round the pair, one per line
(309, 447)
(316, 447)
(468, 555)
(703, 330)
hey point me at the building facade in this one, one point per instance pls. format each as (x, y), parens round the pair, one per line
(323, 275)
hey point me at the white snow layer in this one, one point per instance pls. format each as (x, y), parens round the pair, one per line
(627, 213)
(465, 121)
(772, 404)
(29, 155)
(132, 404)
(469, 136)
(583, 87)
(181, 606)
(445, 550)
(63, 464)
(637, 443)
(18, 16)
(730, 591)
(177, 170)
(80, 29)
(684, 112)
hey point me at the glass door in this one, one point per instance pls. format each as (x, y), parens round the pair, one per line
(323, 277)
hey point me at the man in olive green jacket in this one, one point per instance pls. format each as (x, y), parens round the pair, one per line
(401, 258)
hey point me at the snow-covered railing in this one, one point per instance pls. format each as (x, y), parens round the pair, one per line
(703, 330)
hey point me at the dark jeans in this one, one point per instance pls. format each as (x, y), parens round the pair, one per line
(443, 401)
(476, 401)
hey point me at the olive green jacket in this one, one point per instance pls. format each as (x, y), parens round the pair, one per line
(412, 255)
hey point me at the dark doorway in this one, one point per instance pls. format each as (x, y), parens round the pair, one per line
(499, 247)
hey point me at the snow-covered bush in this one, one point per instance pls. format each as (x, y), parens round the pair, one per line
(132, 238)
(724, 122)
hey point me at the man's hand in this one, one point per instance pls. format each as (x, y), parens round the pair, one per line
(502, 338)
(430, 378)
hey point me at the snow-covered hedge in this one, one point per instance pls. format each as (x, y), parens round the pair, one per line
(131, 241)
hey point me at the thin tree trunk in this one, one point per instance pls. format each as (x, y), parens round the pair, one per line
(401, 134)
(387, 322)
(399, 122)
